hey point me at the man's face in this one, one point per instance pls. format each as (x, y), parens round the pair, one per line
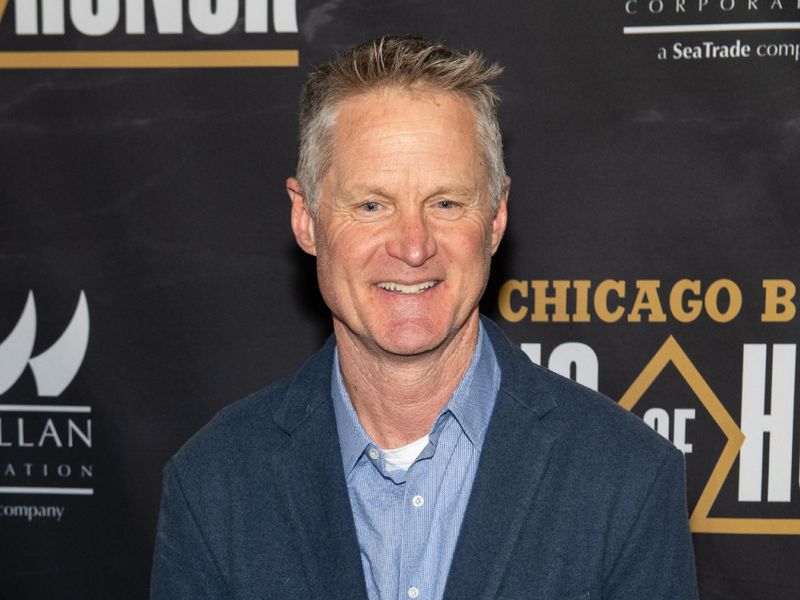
(405, 230)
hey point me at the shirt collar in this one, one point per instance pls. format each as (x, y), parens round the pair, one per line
(471, 404)
(353, 439)
(473, 400)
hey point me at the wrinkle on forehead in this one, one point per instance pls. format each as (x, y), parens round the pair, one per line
(430, 128)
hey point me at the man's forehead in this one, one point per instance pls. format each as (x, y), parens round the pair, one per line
(386, 121)
(397, 103)
(393, 137)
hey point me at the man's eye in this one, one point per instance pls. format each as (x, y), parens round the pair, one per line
(444, 208)
(370, 206)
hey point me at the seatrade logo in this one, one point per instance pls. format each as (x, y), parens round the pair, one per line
(97, 34)
(45, 443)
(743, 473)
(688, 31)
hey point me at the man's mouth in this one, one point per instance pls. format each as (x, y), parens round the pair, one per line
(402, 288)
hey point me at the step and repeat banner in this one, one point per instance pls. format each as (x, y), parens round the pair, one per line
(148, 275)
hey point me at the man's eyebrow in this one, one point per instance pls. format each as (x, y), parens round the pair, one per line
(363, 192)
(454, 190)
(358, 193)
(376, 191)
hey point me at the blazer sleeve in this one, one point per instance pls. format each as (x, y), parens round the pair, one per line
(657, 560)
(183, 566)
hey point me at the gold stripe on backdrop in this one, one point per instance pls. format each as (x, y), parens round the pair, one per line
(176, 59)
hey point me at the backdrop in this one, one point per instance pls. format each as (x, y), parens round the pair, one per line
(148, 276)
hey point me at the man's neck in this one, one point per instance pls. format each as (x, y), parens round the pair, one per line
(397, 398)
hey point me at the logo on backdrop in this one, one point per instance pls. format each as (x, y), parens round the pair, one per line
(47, 447)
(688, 30)
(674, 398)
(155, 33)
(56, 367)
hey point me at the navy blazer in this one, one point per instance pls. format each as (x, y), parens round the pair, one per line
(574, 499)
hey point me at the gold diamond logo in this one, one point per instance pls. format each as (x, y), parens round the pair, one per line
(699, 520)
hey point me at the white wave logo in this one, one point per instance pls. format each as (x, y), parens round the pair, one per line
(56, 367)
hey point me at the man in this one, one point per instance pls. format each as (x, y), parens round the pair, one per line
(419, 454)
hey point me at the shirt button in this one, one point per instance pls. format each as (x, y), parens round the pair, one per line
(417, 501)
(374, 454)
(413, 592)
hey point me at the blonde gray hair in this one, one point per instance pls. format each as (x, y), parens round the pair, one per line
(405, 61)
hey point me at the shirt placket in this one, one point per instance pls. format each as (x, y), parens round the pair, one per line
(417, 520)
(374, 489)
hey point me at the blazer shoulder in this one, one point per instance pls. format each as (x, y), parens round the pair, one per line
(585, 420)
(236, 429)
(598, 423)
(255, 424)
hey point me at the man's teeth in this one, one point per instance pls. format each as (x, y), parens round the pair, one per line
(415, 288)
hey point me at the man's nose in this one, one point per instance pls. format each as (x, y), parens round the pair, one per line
(411, 239)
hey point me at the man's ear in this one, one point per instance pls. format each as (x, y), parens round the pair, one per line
(302, 220)
(500, 217)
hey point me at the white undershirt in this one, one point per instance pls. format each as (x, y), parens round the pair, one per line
(400, 459)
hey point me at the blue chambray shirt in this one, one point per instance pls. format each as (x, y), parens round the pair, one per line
(408, 521)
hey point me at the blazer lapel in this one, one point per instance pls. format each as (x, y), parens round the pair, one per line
(309, 468)
(513, 462)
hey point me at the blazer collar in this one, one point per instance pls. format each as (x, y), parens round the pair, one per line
(308, 390)
(308, 467)
(520, 439)
(521, 379)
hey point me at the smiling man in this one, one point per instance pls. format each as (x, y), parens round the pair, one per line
(419, 454)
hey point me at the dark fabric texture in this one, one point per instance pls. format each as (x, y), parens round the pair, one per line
(574, 498)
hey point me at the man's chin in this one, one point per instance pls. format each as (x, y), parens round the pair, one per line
(409, 337)
(412, 340)
(409, 350)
